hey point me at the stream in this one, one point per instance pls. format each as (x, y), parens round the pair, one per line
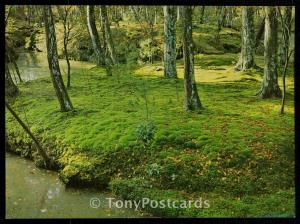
(36, 193)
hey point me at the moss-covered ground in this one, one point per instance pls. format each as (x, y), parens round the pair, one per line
(237, 152)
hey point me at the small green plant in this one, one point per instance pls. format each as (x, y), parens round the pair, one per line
(154, 170)
(145, 132)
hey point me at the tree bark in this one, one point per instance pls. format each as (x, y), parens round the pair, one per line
(270, 87)
(201, 14)
(66, 24)
(107, 33)
(170, 42)
(285, 28)
(17, 70)
(192, 100)
(10, 87)
(246, 60)
(222, 16)
(260, 32)
(100, 60)
(178, 13)
(58, 84)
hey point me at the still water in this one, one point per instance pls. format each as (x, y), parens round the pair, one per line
(36, 193)
(33, 65)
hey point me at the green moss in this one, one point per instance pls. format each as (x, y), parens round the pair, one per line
(277, 204)
(238, 145)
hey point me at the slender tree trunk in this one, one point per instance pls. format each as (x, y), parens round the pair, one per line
(17, 70)
(286, 21)
(13, 61)
(170, 42)
(41, 151)
(66, 41)
(108, 36)
(8, 13)
(10, 87)
(270, 87)
(178, 13)
(260, 32)
(192, 100)
(221, 17)
(286, 24)
(60, 89)
(246, 60)
(201, 14)
(155, 16)
(100, 56)
(100, 60)
(283, 83)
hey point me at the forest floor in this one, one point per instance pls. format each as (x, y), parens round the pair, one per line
(237, 152)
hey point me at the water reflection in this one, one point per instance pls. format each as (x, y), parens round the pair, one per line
(33, 65)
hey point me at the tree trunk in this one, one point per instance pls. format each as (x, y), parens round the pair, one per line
(10, 87)
(192, 100)
(178, 13)
(107, 33)
(48, 162)
(66, 41)
(170, 42)
(286, 24)
(222, 16)
(17, 70)
(201, 14)
(60, 89)
(270, 87)
(260, 32)
(246, 60)
(9, 58)
(100, 60)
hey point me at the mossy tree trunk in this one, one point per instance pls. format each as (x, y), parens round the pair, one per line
(192, 100)
(246, 60)
(60, 89)
(170, 42)
(270, 87)
(107, 34)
